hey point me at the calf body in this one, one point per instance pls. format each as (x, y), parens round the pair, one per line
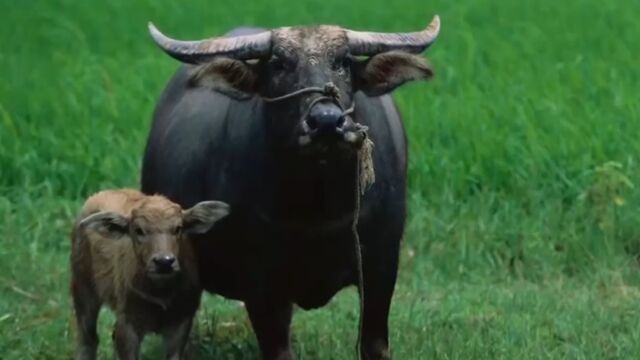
(131, 252)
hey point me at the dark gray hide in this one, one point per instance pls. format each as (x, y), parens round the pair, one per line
(287, 239)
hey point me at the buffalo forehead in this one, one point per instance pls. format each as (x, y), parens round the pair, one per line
(310, 41)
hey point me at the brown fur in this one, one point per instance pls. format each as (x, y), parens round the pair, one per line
(115, 265)
(112, 267)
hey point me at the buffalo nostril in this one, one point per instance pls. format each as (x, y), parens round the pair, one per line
(312, 122)
(341, 122)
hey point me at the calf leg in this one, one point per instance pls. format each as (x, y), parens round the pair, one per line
(86, 306)
(175, 339)
(271, 321)
(126, 340)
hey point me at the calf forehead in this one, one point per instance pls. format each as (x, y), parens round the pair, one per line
(311, 41)
(156, 211)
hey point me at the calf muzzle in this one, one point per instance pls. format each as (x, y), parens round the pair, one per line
(164, 264)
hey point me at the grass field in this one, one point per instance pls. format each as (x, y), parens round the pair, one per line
(524, 236)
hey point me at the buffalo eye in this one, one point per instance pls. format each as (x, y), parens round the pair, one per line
(278, 64)
(177, 230)
(342, 64)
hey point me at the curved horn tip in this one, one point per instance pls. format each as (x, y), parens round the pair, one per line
(158, 37)
(434, 26)
(153, 30)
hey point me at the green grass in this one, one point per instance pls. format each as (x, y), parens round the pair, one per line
(524, 236)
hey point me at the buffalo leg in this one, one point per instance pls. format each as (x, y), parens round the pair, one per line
(270, 322)
(380, 269)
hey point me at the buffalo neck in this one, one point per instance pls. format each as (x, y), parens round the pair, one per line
(312, 188)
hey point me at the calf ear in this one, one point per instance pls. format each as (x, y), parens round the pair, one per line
(384, 72)
(234, 78)
(201, 217)
(106, 223)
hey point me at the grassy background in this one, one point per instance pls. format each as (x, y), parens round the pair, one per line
(524, 237)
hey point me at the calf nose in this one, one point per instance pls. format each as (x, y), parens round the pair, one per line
(164, 263)
(325, 118)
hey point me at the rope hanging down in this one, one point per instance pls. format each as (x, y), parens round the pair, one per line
(358, 247)
(365, 177)
(366, 173)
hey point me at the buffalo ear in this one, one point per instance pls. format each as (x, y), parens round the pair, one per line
(201, 217)
(234, 78)
(108, 224)
(384, 72)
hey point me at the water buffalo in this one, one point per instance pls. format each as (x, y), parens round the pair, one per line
(271, 122)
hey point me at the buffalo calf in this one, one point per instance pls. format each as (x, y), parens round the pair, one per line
(131, 252)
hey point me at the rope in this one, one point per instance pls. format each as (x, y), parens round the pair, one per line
(358, 249)
(329, 89)
(367, 174)
(365, 177)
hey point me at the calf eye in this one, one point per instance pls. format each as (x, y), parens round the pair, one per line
(115, 228)
(139, 231)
